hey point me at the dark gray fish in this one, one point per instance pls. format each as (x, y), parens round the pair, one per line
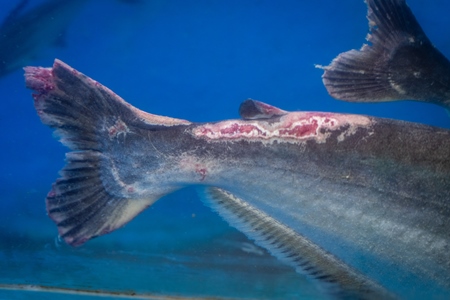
(359, 204)
(23, 34)
(400, 64)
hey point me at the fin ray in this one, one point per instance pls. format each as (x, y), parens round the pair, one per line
(293, 249)
(85, 210)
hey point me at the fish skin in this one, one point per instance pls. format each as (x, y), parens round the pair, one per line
(400, 63)
(23, 35)
(373, 192)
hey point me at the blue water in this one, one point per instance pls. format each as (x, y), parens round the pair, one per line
(194, 60)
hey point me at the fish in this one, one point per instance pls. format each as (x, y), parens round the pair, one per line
(358, 204)
(24, 34)
(399, 63)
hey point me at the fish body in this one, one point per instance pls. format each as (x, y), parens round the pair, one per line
(371, 195)
(23, 34)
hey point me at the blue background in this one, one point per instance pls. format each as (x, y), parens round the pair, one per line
(195, 60)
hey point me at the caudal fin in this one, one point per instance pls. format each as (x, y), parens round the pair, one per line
(100, 188)
(400, 64)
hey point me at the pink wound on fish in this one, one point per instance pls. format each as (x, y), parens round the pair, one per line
(292, 126)
(201, 171)
(39, 79)
(119, 128)
(236, 128)
(131, 190)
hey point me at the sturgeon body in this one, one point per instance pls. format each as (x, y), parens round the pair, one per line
(371, 195)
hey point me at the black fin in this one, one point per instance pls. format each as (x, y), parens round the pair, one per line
(99, 189)
(400, 64)
(251, 109)
(337, 278)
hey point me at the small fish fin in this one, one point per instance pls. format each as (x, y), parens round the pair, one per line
(14, 14)
(100, 188)
(334, 276)
(252, 109)
(400, 64)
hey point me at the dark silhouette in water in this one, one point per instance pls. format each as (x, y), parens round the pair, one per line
(24, 34)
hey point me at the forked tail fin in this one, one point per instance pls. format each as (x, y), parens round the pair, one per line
(100, 188)
(400, 64)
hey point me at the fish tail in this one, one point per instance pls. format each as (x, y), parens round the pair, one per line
(100, 188)
(400, 64)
